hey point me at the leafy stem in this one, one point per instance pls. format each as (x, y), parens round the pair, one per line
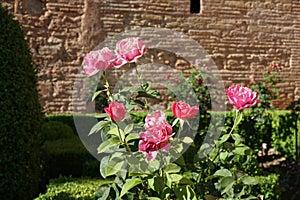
(106, 85)
(122, 139)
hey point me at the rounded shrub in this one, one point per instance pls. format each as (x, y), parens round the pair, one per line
(20, 113)
(55, 130)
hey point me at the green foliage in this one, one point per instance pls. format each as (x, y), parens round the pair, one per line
(285, 125)
(55, 130)
(268, 187)
(21, 115)
(68, 156)
(71, 189)
(66, 119)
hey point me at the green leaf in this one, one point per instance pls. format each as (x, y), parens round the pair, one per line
(222, 172)
(187, 140)
(105, 194)
(227, 183)
(224, 138)
(186, 181)
(117, 132)
(153, 198)
(185, 193)
(113, 131)
(132, 136)
(128, 128)
(204, 149)
(169, 180)
(113, 169)
(237, 138)
(175, 177)
(249, 180)
(166, 193)
(106, 147)
(151, 183)
(223, 156)
(101, 115)
(130, 183)
(96, 94)
(172, 168)
(103, 164)
(116, 191)
(180, 161)
(115, 164)
(156, 183)
(97, 127)
(241, 150)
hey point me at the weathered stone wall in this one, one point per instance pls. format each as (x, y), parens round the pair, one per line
(242, 36)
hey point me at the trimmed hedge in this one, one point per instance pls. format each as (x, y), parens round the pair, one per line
(20, 112)
(71, 189)
(64, 154)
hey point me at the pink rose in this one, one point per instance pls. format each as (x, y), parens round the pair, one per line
(129, 50)
(153, 140)
(176, 80)
(184, 111)
(157, 135)
(157, 120)
(98, 60)
(116, 111)
(278, 67)
(241, 97)
(168, 76)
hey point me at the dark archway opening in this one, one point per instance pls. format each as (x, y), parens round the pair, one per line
(195, 6)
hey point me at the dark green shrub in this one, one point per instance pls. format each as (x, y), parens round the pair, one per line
(20, 112)
(66, 119)
(68, 157)
(71, 189)
(55, 130)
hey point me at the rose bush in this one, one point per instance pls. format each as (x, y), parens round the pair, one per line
(148, 161)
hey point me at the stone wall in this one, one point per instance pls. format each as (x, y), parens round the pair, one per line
(243, 37)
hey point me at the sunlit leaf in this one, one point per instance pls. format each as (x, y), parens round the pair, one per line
(175, 177)
(187, 140)
(172, 168)
(128, 128)
(227, 184)
(97, 127)
(249, 180)
(96, 94)
(222, 172)
(129, 184)
(106, 147)
(132, 136)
